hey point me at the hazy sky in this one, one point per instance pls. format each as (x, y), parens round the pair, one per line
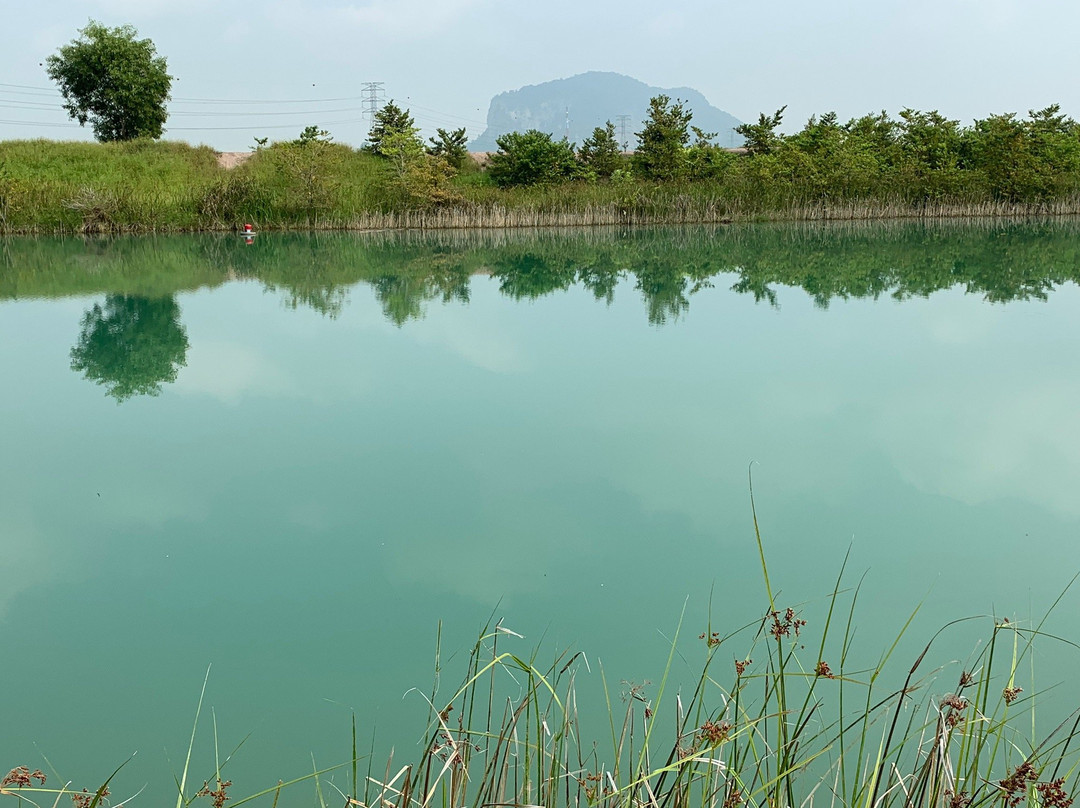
(447, 58)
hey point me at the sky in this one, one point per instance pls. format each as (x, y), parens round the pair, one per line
(306, 60)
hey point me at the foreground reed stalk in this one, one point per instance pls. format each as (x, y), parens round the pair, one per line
(768, 722)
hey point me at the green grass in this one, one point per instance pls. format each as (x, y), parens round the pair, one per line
(143, 186)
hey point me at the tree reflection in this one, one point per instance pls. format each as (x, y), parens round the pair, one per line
(131, 345)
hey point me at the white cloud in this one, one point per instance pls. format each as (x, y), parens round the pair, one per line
(26, 561)
(980, 445)
(229, 372)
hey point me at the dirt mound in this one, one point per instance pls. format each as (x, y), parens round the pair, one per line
(231, 159)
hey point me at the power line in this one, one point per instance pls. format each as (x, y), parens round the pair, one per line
(267, 101)
(37, 123)
(372, 99)
(320, 124)
(30, 89)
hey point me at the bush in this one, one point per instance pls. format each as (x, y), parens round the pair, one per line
(532, 158)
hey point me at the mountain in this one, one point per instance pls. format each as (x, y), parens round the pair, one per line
(591, 99)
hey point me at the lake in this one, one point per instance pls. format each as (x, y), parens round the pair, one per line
(292, 460)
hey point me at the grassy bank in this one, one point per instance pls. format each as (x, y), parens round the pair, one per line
(782, 712)
(52, 188)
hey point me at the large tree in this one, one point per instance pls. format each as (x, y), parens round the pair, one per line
(389, 122)
(600, 153)
(661, 151)
(114, 81)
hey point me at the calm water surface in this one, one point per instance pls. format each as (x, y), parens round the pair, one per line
(291, 460)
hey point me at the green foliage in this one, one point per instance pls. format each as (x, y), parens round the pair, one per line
(1020, 160)
(661, 151)
(600, 153)
(232, 198)
(704, 159)
(390, 120)
(532, 158)
(761, 137)
(309, 167)
(918, 164)
(310, 134)
(132, 345)
(418, 180)
(116, 82)
(12, 190)
(450, 146)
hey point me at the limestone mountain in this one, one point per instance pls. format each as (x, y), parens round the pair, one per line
(574, 106)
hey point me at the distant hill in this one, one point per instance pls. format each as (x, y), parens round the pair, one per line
(593, 98)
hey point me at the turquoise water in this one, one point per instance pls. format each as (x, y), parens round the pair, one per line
(292, 460)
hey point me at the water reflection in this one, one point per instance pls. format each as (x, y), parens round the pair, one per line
(135, 343)
(1001, 261)
(131, 345)
(337, 478)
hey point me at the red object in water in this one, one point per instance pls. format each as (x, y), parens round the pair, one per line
(248, 228)
(249, 240)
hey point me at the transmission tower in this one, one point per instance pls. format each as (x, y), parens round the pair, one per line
(567, 135)
(624, 123)
(372, 95)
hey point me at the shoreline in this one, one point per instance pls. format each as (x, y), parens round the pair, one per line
(496, 217)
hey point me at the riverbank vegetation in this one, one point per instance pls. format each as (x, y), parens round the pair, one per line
(782, 712)
(920, 164)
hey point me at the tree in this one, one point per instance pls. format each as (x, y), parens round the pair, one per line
(116, 82)
(761, 137)
(600, 153)
(309, 164)
(929, 155)
(450, 146)
(390, 120)
(532, 158)
(704, 159)
(131, 345)
(661, 151)
(417, 179)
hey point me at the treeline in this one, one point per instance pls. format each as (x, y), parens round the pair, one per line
(920, 164)
(918, 158)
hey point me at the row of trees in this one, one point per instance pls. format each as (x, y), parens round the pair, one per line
(117, 82)
(919, 156)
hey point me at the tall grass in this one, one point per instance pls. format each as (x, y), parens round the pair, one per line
(769, 721)
(780, 714)
(142, 186)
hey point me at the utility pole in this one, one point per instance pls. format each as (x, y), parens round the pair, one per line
(624, 122)
(372, 95)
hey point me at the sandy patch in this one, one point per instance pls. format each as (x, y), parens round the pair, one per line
(231, 159)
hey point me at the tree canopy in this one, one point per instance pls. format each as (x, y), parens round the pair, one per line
(451, 146)
(600, 152)
(661, 151)
(114, 81)
(531, 158)
(389, 121)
